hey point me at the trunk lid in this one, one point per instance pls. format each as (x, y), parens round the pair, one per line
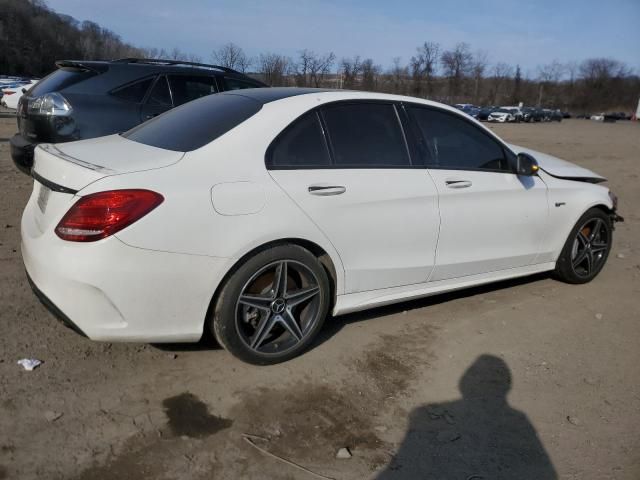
(61, 171)
(75, 165)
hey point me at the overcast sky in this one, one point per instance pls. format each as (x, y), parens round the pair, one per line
(525, 32)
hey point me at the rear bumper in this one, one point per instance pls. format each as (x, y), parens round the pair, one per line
(22, 153)
(110, 291)
(55, 311)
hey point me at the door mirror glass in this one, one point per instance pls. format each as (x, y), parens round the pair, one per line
(526, 165)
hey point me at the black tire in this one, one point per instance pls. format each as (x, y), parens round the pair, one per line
(584, 239)
(236, 324)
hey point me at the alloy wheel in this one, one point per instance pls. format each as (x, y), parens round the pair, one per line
(590, 247)
(278, 307)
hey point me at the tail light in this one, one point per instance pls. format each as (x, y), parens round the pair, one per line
(102, 214)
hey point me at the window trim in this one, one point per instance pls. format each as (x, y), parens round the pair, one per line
(327, 139)
(145, 102)
(152, 77)
(415, 132)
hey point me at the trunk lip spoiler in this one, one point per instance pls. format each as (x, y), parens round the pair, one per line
(52, 185)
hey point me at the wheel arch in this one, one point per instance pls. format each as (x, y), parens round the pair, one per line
(320, 253)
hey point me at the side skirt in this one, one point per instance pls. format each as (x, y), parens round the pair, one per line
(354, 302)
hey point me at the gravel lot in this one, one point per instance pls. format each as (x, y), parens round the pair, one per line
(415, 390)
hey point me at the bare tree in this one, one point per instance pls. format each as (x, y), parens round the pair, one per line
(231, 56)
(424, 67)
(370, 73)
(548, 75)
(273, 68)
(501, 73)
(478, 68)
(350, 71)
(456, 64)
(398, 75)
(603, 79)
(311, 68)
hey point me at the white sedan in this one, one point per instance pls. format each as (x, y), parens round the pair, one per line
(502, 115)
(11, 96)
(255, 214)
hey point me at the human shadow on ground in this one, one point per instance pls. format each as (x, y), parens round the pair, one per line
(478, 437)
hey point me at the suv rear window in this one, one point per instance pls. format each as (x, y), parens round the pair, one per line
(60, 79)
(196, 123)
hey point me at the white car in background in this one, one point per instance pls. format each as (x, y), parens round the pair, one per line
(11, 96)
(501, 115)
(257, 213)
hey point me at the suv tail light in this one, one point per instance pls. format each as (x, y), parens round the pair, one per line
(102, 214)
(49, 104)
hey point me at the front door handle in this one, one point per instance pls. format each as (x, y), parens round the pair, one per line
(458, 183)
(326, 190)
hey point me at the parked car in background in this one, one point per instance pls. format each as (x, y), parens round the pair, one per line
(556, 116)
(470, 110)
(532, 114)
(484, 113)
(255, 215)
(11, 96)
(516, 112)
(502, 115)
(87, 99)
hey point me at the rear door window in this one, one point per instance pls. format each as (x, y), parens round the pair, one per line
(134, 92)
(366, 135)
(301, 145)
(185, 88)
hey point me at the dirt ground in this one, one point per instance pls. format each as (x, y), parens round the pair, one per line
(531, 379)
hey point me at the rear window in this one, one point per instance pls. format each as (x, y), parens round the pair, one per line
(60, 79)
(196, 123)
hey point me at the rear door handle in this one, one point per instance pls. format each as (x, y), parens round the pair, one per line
(326, 190)
(458, 183)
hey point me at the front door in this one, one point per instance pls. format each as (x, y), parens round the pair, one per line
(492, 219)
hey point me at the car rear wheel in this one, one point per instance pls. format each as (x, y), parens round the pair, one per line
(273, 305)
(587, 248)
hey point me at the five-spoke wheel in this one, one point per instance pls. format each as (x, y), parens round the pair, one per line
(273, 305)
(586, 249)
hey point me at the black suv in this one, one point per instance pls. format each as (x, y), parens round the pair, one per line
(87, 99)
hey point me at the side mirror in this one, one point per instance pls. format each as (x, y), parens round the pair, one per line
(526, 165)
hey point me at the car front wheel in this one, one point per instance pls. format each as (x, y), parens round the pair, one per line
(587, 248)
(273, 305)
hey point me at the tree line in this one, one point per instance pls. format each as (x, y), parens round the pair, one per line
(33, 36)
(454, 75)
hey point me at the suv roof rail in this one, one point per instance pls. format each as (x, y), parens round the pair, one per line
(162, 61)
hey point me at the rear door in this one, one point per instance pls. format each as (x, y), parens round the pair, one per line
(491, 218)
(347, 165)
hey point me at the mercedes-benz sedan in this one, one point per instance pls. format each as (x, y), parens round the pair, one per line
(256, 214)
